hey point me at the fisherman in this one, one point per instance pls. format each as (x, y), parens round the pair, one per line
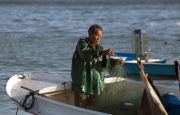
(88, 63)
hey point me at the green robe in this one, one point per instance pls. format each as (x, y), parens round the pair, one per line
(88, 68)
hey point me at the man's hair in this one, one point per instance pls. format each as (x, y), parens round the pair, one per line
(94, 27)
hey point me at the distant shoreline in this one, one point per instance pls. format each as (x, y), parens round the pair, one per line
(93, 1)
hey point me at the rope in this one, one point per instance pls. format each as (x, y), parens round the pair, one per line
(28, 101)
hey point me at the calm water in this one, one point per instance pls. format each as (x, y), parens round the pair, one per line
(42, 38)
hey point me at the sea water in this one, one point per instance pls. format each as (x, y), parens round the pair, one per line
(41, 38)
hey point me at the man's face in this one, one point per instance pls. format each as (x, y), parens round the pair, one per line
(95, 37)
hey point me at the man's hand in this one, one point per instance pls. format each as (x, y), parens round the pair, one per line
(108, 52)
(121, 61)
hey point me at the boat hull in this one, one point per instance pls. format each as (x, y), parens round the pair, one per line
(154, 70)
(158, 68)
(45, 88)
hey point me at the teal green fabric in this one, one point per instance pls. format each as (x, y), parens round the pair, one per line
(88, 68)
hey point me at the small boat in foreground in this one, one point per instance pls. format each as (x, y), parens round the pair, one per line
(43, 94)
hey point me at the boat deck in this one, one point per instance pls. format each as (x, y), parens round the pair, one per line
(65, 96)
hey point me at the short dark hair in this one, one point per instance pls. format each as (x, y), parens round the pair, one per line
(94, 27)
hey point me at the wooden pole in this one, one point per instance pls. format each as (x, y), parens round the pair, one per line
(177, 71)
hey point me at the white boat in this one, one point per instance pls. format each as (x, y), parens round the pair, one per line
(43, 94)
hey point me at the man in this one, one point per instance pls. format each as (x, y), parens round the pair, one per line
(88, 63)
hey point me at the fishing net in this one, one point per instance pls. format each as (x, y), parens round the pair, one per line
(118, 98)
(115, 70)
